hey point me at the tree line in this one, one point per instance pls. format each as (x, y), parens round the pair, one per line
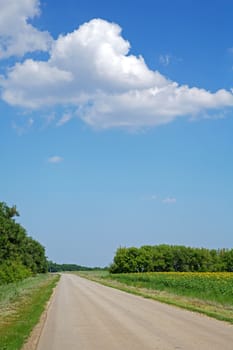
(20, 255)
(54, 267)
(165, 258)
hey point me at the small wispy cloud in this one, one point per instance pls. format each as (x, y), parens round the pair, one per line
(169, 200)
(55, 159)
(23, 128)
(64, 119)
(165, 59)
(158, 198)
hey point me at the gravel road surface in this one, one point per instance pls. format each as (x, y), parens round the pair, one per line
(84, 315)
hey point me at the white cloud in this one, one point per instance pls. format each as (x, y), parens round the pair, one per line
(55, 159)
(64, 119)
(92, 71)
(169, 200)
(17, 36)
(46, 86)
(165, 59)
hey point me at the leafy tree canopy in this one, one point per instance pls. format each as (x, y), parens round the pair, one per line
(171, 258)
(20, 255)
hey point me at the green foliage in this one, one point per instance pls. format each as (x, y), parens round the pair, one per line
(211, 286)
(12, 271)
(34, 256)
(165, 258)
(54, 267)
(8, 212)
(20, 255)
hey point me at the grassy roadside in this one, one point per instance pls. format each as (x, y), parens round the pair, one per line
(21, 305)
(223, 312)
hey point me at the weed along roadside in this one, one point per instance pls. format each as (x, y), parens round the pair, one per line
(21, 306)
(207, 293)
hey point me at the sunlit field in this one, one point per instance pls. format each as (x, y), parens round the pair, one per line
(216, 286)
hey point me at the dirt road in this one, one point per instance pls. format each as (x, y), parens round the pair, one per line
(87, 316)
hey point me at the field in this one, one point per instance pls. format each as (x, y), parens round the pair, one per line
(208, 293)
(216, 287)
(21, 305)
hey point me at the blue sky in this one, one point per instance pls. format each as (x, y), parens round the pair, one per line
(116, 123)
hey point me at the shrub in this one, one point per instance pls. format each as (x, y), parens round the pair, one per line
(13, 271)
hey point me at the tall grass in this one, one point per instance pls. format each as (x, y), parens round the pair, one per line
(21, 305)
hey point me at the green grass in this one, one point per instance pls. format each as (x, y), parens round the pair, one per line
(21, 305)
(216, 287)
(207, 293)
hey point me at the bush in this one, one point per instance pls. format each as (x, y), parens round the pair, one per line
(13, 271)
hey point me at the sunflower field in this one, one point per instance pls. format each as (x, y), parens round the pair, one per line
(209, 286)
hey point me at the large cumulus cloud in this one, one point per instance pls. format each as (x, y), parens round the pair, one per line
(92, 70)
(17, 35)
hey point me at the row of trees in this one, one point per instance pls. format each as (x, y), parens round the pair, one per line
(20, 255)
(54, 267)
(165, 257)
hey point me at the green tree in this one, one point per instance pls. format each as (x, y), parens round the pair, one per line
(20, 255)
(165, 257)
